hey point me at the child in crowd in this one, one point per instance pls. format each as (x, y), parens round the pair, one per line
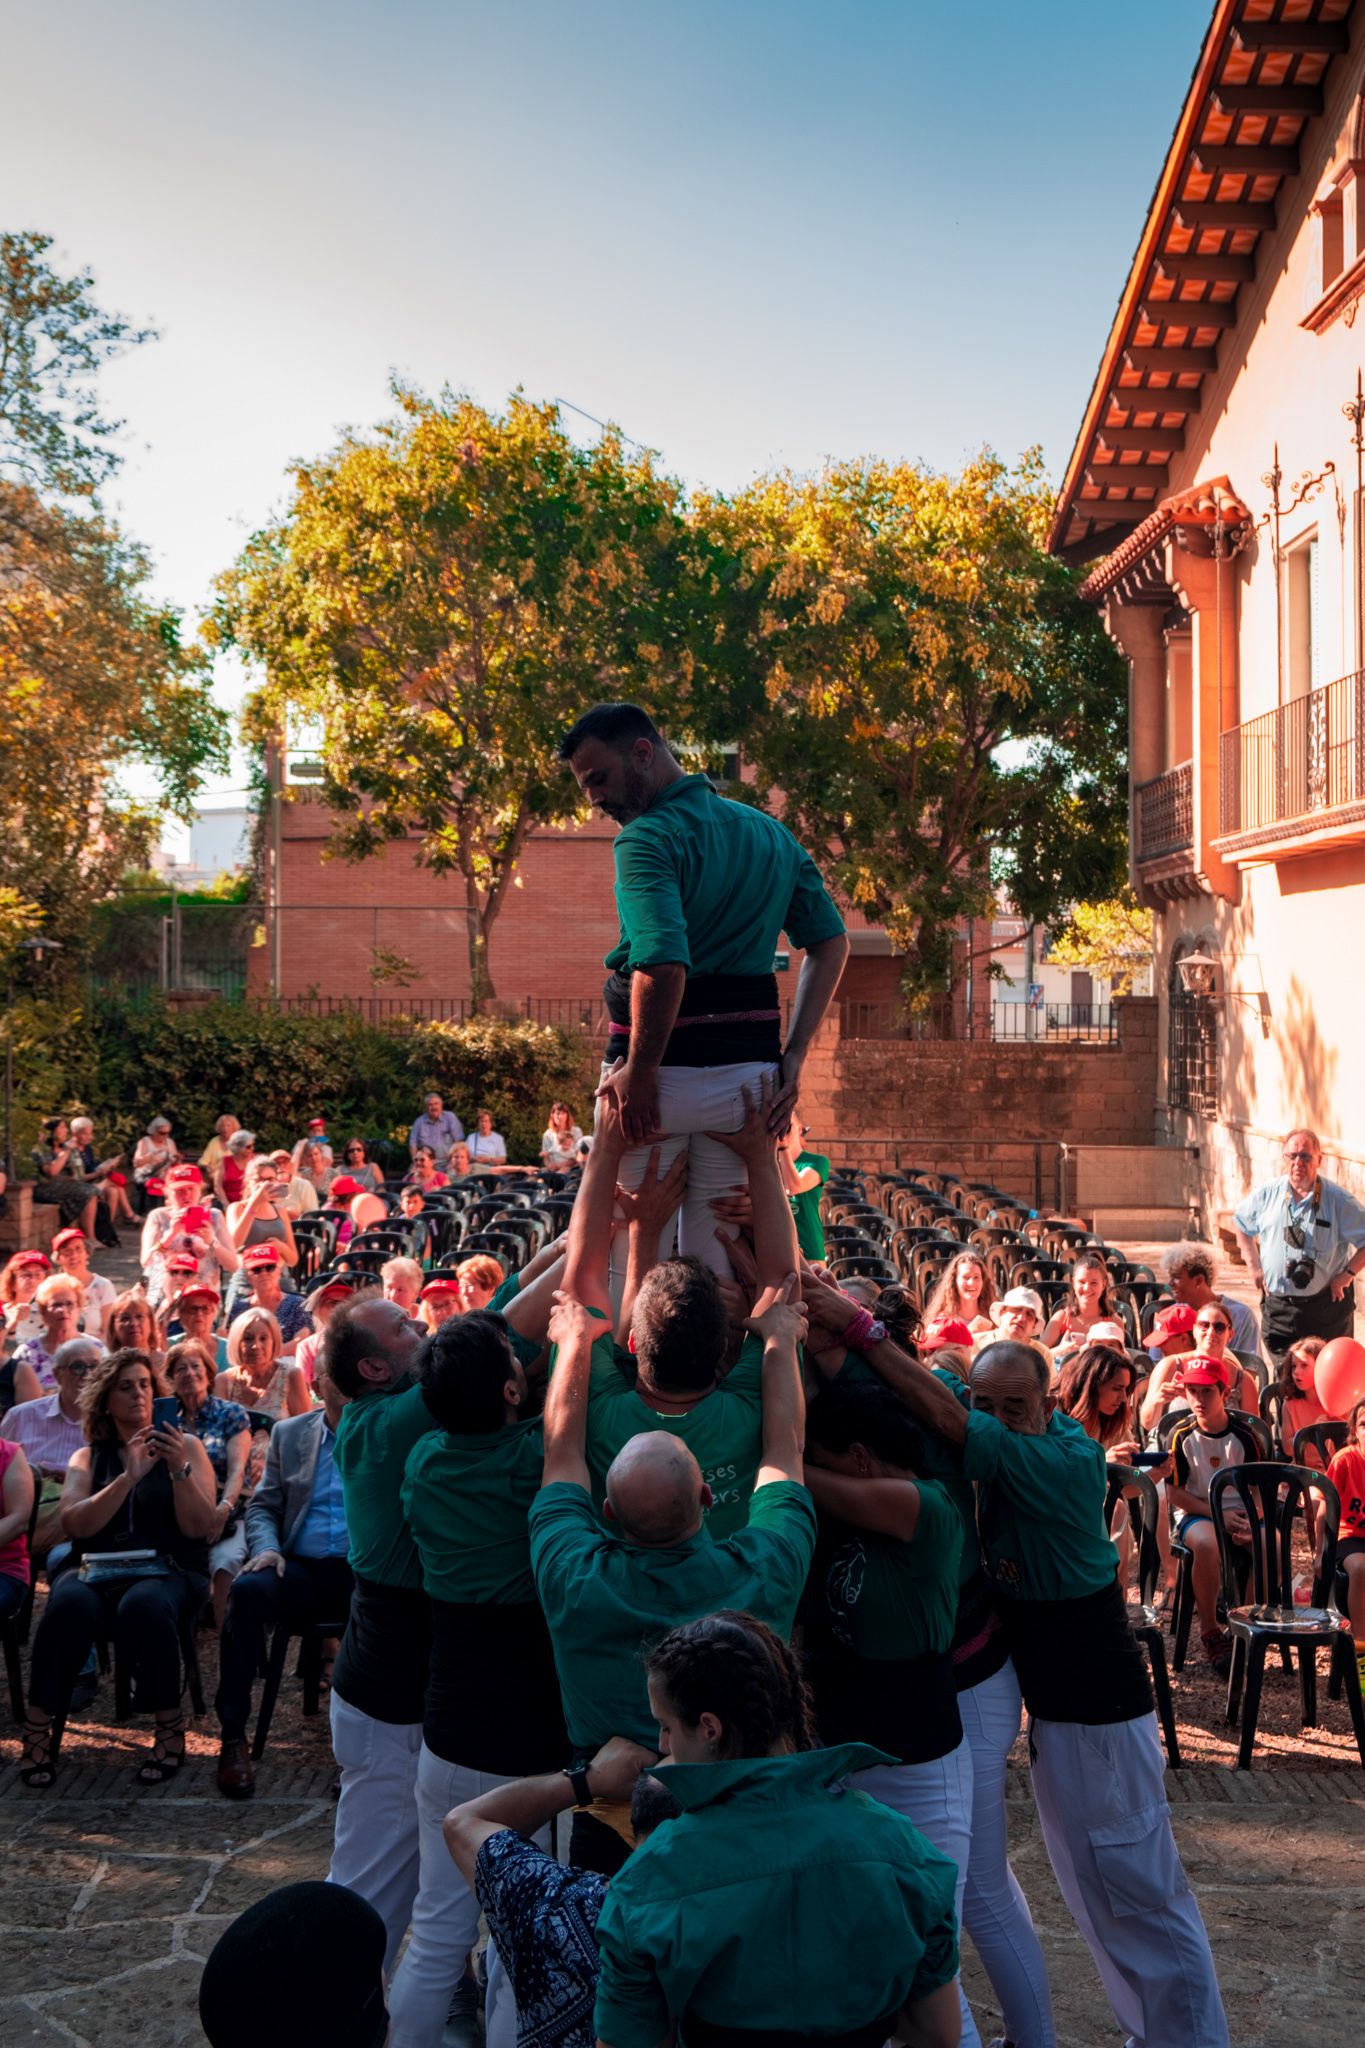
(1214, 1438)
(1300, 1407)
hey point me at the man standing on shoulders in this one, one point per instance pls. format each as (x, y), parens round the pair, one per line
(1303, 1238)
(379, 1684)
(296, 1570)
(704, 888)
(1097, 1767)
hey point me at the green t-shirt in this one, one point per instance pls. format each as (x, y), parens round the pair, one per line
(526, 1349)
(781, 1898)
(375, 1435)
(677, 868)
(887, 1598)
(606, 1600)
(724, 1431)
(940, 1462)
(1041, 1506)
(466, 1499)
(810, 1231)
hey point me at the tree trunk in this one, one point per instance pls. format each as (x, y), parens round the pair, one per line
(481, 989)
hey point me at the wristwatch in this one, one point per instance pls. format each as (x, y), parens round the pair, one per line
(183, 1473)
(578, 1778)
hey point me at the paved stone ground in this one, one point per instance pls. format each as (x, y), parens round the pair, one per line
(112, 1894)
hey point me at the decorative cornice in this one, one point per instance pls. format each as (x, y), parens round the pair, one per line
(1340, 301)
(1310, 832)
(1187, 514)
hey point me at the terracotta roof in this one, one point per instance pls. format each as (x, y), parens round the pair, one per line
(1200, 505)
(1259, 86)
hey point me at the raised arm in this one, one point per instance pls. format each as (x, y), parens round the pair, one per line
(573, 1332)
(781, 1323)
(890, 1507)
(647, 1211)
(774, 1227)
(589, 1253)
(928, 1400)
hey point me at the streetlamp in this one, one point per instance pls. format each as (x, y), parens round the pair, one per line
(36, 951)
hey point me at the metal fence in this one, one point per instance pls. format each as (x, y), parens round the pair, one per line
(1304, 756)
(1007, 1023)
(1164, 812)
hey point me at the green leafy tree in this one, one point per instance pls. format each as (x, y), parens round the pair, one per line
(1112, 939)
(54, 434)
(93, 676)
(928, 694)
(444, 596)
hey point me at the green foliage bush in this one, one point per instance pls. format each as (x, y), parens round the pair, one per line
(124, 1063)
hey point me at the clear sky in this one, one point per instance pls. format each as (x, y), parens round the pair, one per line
(752, 233)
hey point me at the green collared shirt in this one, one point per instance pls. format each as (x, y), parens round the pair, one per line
(723, 1431)
(1041, 1508)
(607, 1600)
(466, 1500)
(781, 1898)
(679, 867)
(375, 1436)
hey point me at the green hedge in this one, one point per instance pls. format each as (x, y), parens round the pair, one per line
(122, 1064)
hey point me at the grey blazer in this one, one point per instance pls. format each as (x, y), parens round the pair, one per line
(279, 1504)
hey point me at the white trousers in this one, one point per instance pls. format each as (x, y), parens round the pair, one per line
(937, 1797)
(374, 1850)
(1101, 1796)
(445, 1921)
(994, 1909)
(693, 1101)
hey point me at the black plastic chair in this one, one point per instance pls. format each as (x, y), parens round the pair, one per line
(14, 1632)
(1271, 1495)
(1326, 1438)
(1142, 1615)
(864, 1265)
(312, 1635)
(509, 1251)
(1182, 1611)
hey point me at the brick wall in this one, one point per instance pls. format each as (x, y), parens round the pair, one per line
(992, 1111)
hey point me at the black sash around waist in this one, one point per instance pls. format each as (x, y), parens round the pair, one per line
(904, 1705)
(1078, 1660)
(381, 1668)
(723, 1019)
(492, 1695)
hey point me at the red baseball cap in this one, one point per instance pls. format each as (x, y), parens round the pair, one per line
(31, 1259)
(1175, 1321)
(199, 1291)
(259, 1255)
(338, 1288)
(181, 1262)
(72, 1236)
(1200, 1370)
(441, 1286)
(317, 1123)
(344, 1185)
(186, 1170)
(952, 1330)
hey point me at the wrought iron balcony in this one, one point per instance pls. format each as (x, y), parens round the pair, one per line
(1296, 773)
(1165, 814)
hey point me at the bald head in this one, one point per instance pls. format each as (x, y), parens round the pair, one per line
(655, 1491)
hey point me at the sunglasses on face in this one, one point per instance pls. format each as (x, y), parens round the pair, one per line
(1298, 1158)
(1212, 1326)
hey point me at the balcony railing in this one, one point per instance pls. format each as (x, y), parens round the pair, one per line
(1290, 763)
(1165, 813)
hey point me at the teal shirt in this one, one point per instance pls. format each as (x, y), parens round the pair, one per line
(466, 1499)
(1041, 1506)
(723, 1431)
(712, 884)
(781, 1898)
(607, 1600)
(375, 1435)
(810, 1231)
(890, 1599)
(940, 1462)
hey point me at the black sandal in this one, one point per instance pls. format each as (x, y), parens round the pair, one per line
(164, 1762)
(37, 1766)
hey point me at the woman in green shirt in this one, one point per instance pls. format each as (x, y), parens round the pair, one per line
(881, 1612)
(781, 1905)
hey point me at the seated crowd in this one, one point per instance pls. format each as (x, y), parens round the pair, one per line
(853, 1539)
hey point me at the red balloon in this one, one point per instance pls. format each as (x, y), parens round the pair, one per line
(1339, 1375)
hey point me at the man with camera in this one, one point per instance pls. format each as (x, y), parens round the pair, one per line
(1303, 1239)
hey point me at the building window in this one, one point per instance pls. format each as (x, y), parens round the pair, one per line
(1302, 618)
(1192, 1045)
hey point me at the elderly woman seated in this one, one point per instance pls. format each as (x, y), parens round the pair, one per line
(258, 1377)
(138, 1485)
